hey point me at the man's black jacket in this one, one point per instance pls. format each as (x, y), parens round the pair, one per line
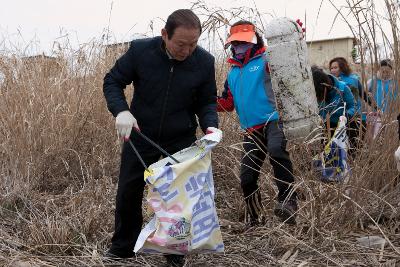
(167, 93)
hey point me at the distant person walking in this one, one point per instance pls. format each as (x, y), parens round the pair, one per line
(384, 89)
(340, 68)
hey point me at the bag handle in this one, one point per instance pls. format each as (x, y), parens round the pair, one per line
(153, 144)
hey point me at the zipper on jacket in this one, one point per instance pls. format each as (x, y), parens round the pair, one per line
(171, 71)
(241, 97)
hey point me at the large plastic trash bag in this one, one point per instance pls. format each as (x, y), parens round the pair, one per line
(181, 195)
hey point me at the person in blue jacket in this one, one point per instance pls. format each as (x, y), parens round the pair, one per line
(383, 88)
(333, 97)
(248, 90)
(339, 67)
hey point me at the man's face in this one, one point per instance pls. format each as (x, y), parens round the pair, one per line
(183, 42)
(386, 72)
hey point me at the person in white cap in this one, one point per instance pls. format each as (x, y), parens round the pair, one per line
(248, 90)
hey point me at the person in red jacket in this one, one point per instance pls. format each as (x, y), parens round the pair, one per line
(248, 90)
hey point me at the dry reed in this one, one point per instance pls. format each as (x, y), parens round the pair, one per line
(59, 158)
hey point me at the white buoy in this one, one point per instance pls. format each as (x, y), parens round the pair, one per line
(291, 77)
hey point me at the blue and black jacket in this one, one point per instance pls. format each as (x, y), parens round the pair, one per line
(353, 82)
(334, 103)
(248, 90)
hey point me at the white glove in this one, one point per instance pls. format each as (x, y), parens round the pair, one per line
(397, 157)
(213, 135)
(343, 118)
(124, 123)
(211, 130)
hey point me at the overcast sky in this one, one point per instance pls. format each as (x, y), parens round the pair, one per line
(41, 22)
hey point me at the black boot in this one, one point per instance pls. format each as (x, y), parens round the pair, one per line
(286, 210)
(116, 255)
(174, 260)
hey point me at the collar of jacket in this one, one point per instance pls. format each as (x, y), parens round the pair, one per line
(334, 80)
(338, 86)
(247, 58)
(163, 49)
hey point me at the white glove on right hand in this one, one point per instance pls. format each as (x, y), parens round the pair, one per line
(124, 123)
(397, 157)
(211, 130)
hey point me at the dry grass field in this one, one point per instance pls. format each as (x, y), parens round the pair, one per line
(59, 159)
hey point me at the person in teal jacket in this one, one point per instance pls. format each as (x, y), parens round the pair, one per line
(339, 67)
(384, 89)
(334, 97)
(248, 90)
